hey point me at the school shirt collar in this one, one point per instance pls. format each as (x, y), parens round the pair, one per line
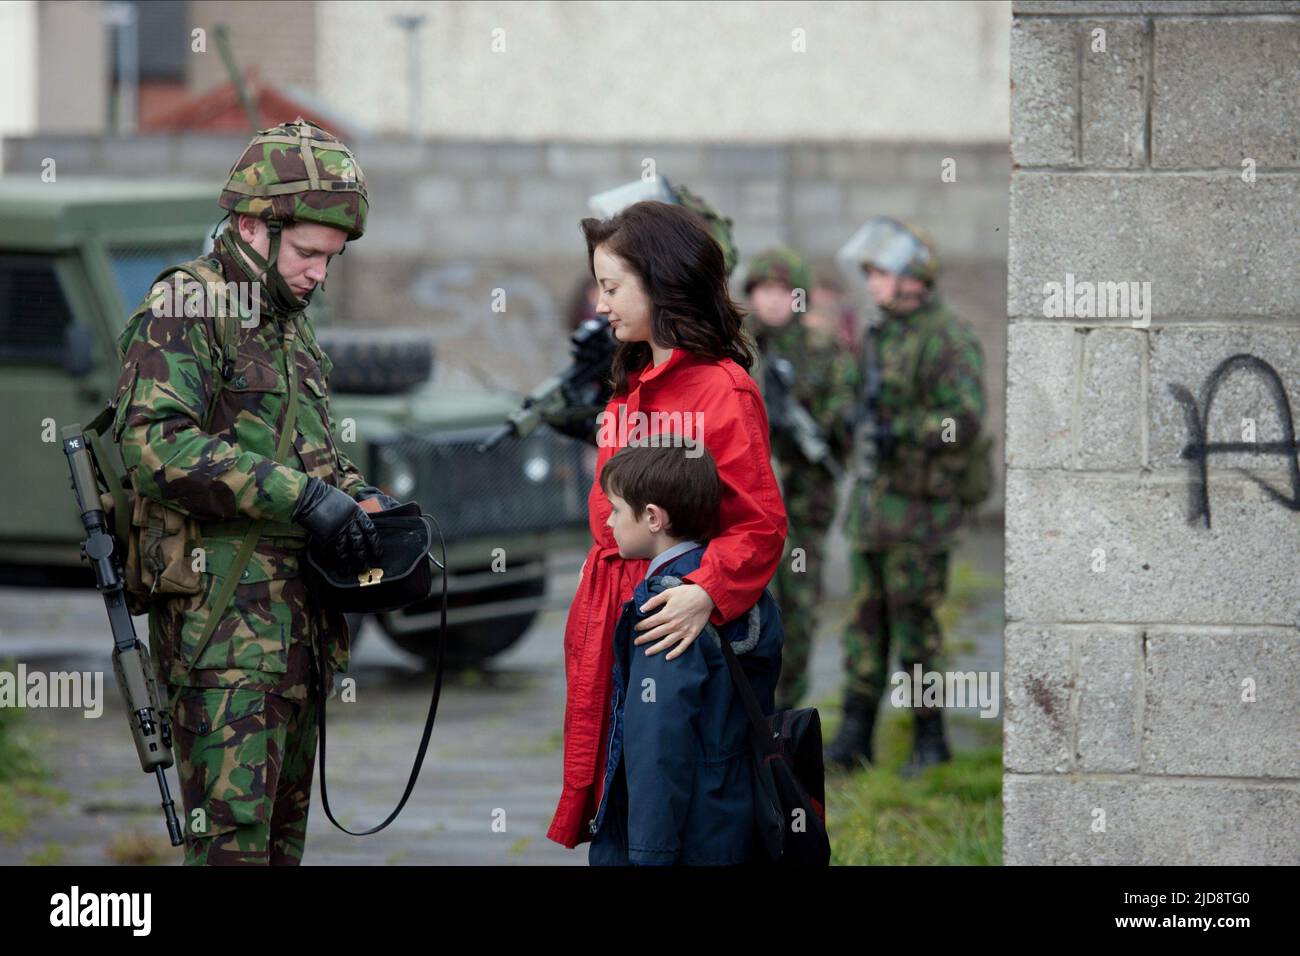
(676, 551)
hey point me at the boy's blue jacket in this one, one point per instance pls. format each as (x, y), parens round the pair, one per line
(678, 778)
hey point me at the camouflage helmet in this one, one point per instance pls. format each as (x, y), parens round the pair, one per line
(720, 224)
(900, 248)
(783, 265)
(298, 172)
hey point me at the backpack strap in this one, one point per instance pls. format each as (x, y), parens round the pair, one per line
(226, 326)
(204, 270)
(764, 736)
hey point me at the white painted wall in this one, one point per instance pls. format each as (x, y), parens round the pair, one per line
(17, 68)
(675, 71)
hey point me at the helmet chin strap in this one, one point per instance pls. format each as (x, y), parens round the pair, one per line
(278, 294)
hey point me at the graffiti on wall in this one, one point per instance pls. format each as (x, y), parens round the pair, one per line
(500, 313)
(1198, 449)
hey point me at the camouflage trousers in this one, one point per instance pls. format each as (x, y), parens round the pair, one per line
(245, 760)
(895, 596)
(797, 587)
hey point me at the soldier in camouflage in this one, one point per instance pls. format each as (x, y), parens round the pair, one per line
(239, 437)
(779, 283)
(902, 527)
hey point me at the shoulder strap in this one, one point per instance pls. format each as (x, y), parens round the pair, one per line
(254, 532)
(227, 332)
(226, 326)
(763, 732)
(227, 341)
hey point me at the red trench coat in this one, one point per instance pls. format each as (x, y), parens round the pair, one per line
(739, 562)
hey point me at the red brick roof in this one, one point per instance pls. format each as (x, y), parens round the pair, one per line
(219, 111)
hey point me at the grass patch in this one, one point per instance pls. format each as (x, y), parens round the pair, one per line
(966, 585)
(949, 815)
(49, 855)
(134, 848)
(21, 771)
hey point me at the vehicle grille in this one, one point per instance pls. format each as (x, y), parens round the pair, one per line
(472, 493)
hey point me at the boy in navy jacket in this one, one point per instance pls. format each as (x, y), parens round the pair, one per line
(678, 778)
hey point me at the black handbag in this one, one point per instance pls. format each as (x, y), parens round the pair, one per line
(405, 573)
(789, 778)
(407, 570)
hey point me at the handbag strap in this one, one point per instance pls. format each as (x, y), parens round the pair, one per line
(428, 720)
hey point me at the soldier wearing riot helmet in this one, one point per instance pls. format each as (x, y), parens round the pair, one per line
(927, 413)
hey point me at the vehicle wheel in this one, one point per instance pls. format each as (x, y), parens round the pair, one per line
(385, 363)
(468, 645)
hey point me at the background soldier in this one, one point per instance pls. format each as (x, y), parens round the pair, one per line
(823, 380)
(205, 418)
(929, 409)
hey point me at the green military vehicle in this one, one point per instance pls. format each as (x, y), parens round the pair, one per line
(76, 257)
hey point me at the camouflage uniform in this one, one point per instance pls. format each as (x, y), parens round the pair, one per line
(243, 705)
(902, 527)
(826, 384)
(931, 369)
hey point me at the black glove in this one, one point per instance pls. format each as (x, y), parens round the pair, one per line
(387, 501)
(339, 529)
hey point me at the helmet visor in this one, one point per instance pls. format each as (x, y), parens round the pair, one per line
(613, 201)
(890, 247)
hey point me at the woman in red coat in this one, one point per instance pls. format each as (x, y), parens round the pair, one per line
(680, 367)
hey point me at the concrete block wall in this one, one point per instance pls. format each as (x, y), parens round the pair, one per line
(1152, 643)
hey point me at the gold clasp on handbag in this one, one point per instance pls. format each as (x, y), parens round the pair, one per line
(371, 576)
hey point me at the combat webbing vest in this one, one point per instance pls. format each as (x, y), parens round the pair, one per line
(157, 540)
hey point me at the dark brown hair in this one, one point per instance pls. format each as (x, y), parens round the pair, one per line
(687, 488)
(683, 271)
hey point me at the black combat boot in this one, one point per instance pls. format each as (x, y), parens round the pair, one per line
(853, 741)
(928, 745)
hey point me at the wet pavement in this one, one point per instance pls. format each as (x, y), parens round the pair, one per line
(492, 775)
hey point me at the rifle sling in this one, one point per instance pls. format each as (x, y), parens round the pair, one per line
(245, 552)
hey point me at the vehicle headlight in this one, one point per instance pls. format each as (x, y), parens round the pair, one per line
(537, 468)
(397, 473)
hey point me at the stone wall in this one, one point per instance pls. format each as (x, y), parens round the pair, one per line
(1152, 651)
